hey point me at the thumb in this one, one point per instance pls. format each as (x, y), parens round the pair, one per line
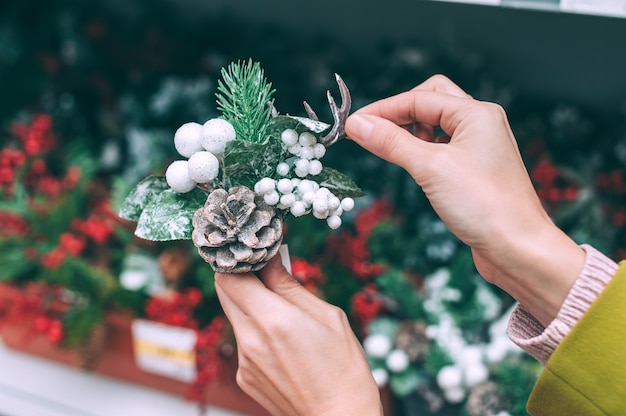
(278, 280)
(387, 140)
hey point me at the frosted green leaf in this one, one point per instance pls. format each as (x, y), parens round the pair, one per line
(384, 326)
(404, 383)
(338, 183)
(141, 196)
(313, 125)
(168, 215)
(245, 163)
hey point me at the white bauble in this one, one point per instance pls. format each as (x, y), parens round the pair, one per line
(454, 395)
(216, 133)
(381, 377)
(397, 361)
(187, 139)
(203, 167)
(449, 377)
(177, 177)
(475, 373)
(377, 345)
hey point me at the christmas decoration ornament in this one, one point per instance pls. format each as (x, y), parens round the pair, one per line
(245, 171)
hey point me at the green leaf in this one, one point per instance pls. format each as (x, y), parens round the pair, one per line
(245, 163)
(338, 183)
(404, 383)
(141, 196)
(315, 126)
(384, 326)
(245, 97)
(168, 215)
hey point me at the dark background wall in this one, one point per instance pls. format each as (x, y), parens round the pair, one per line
(554, 55)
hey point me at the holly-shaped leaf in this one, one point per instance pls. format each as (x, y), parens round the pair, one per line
(315, 126)
(338, 183)
(404, 383)
(144, 192)
(245, 163)
(168, 215)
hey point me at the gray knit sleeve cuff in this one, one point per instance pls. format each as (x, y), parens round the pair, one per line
(540, 342)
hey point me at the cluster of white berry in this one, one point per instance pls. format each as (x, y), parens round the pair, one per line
(307, 153)
(202, 144)
(301, 196)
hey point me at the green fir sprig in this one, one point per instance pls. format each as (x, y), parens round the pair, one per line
(245, 99)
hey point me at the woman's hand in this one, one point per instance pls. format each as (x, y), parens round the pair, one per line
(476, 181)
(297, 354)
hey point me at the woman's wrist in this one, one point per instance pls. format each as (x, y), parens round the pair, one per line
(538, 269)
(540, 341)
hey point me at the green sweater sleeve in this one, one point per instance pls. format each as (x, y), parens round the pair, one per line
(586, 374)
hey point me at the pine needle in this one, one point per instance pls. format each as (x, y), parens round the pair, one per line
(245, 99)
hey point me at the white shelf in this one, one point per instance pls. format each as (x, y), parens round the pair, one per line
(30, 386)
(609, 8)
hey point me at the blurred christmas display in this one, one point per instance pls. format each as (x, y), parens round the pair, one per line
(96, 95)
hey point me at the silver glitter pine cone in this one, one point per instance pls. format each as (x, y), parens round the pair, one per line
(236, 231)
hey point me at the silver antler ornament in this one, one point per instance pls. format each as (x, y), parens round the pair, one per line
(340, 114)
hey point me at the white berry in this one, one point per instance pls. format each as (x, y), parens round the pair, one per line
(315, 167)
(271, 198)
(298, 209)
(203, 167)
(177, 177)
(264, 186)
(347, 204)
(289, 137)
(295, 149)
(308, 197)
(287, 200)
(282, 169)
(334, 222)
(307, 139)
(377, 345)
(302, 167)
(450, 377)
(397, 361)
(187, 139)
(319, 150)
(284, 186)
(320, 205)
(216, 133)
(306, 152)
(381, 377)
(475, 373)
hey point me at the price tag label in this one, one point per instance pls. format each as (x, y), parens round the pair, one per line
(165, 350)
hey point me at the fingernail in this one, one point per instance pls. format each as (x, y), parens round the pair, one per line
(359, 126)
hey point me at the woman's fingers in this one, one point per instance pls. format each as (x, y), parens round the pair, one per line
(442, 84)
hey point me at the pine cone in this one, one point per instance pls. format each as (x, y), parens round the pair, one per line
(411, 338)
(236, 231)
(485, 399)
(89, 352)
